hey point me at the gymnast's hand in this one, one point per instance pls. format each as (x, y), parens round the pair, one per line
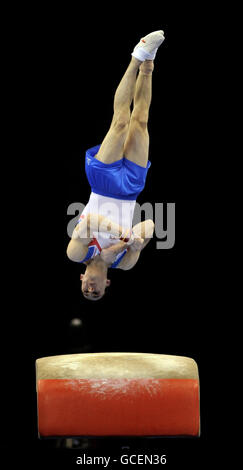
(133, 240)
(108, 255)
(137, 244)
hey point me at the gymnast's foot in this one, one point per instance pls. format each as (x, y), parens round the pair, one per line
(147, 47)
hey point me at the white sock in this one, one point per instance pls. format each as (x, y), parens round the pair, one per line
(142, 55)
(147, 47)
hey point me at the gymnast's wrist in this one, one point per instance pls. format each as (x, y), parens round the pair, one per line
(127, 236)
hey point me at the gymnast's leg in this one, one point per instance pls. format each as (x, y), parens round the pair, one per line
(112, 147)
(136, 147)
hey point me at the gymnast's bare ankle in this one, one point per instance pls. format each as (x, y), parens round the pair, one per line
(147, 67)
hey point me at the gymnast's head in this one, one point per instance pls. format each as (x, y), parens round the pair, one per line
(94, 281)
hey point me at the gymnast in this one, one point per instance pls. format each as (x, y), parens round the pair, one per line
(116, 170)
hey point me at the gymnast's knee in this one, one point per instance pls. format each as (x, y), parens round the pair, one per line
(139, 120)
(121, 122)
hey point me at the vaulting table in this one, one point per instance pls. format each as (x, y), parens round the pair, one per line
(117, 394)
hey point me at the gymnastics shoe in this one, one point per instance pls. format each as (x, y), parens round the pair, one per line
(147, 47)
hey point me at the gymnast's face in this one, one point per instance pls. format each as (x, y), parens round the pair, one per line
(93, 286)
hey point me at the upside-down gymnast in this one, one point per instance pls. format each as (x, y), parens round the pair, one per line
(116, 170)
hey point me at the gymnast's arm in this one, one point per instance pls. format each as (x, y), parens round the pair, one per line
(83, 234)
(143, 232)
(109, 254)
(95, 223)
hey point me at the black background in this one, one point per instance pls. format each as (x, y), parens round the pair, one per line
(70, 73)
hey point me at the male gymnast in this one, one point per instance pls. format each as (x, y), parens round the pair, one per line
(116, 170)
